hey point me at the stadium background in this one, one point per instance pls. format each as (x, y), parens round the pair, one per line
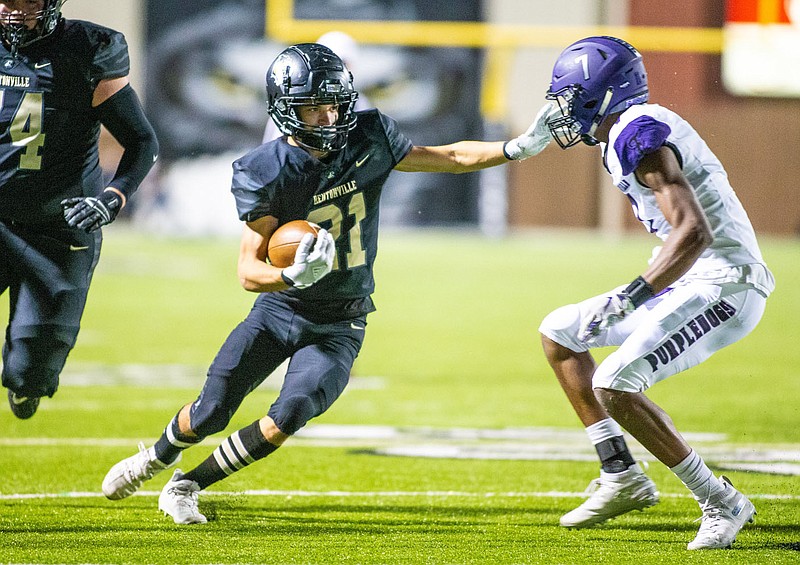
(453, 443)
(447, 70)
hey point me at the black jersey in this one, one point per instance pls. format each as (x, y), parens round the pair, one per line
(341, 194)
(48, 128)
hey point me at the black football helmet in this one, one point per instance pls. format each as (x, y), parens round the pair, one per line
(311, 74)
(13, 28)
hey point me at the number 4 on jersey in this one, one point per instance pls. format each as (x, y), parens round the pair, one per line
(25, 128)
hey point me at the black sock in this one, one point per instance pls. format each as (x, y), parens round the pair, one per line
(237, 451)
(614, 454)
(172, 442)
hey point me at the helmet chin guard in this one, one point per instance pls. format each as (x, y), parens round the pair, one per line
(310, 74)
(592, 78)
(14, 30)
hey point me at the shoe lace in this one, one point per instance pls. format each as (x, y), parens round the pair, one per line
(711, 520)
(184, 496)
(601, 490)
(601, 487)
(140, 467)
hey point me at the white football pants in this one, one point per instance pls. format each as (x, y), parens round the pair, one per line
(671, 332)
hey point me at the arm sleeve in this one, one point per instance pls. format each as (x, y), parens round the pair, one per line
(123, 116)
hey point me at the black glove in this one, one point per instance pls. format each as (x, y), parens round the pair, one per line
(90, 213)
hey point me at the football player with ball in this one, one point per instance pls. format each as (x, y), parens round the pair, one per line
(329, 168)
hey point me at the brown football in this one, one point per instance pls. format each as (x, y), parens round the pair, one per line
(284, 241)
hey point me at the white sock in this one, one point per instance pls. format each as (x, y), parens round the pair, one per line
(603, 430)
(697, 477)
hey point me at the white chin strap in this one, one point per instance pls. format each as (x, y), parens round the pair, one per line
(601, 113)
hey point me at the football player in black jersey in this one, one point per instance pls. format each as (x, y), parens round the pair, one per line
(329, 167)
(59, 80)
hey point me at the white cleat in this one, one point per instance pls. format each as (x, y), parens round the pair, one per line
(179, 500)
(613, 494)
(125, 478)
(723, 516)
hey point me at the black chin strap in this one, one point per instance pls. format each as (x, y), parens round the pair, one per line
(14, 35)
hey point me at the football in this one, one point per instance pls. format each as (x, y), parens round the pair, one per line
(284, 241)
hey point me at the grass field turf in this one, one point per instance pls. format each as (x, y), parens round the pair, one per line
(453, 345)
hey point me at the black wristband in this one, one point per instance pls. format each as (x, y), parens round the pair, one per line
(287, 280)
(639, 291)
(111, 199)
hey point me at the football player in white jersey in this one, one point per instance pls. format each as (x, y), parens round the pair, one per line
(705, 288)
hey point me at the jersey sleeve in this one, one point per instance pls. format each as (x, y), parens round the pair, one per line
(272, 179)
(253, 195)
(641, 136)
(111, 59)
(399, 144)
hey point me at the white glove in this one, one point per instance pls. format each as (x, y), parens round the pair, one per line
(310, 265)
(535, 139)
(614, 309)
(608, 313)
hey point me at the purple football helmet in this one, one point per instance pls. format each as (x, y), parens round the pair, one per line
(592, 78)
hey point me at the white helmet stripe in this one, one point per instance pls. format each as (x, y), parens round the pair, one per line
(601, 113)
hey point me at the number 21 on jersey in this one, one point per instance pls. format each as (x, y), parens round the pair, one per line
(333, 214)
(25, 128)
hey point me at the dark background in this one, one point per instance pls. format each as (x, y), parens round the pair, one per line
(200, 104)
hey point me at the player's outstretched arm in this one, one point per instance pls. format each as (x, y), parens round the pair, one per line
(536, 138)
(468, 156)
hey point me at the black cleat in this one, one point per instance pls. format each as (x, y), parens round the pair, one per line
(23, 407)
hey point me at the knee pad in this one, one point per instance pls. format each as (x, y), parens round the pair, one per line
(562, 325)
(293, 413)
(208, 417)
(32, 365)
(620, 373)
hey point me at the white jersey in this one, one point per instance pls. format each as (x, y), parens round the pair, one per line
(734, 256)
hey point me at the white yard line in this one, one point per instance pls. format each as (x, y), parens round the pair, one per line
(365, 494)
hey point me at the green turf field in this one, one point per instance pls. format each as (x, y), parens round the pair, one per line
(453, 444)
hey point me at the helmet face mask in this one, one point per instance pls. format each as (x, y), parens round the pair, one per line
(565, 129)
(19, 29)
(310, 74)
(593, 78)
